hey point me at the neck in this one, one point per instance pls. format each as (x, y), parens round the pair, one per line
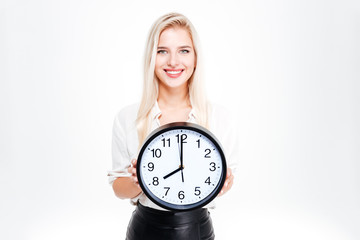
(174, 98)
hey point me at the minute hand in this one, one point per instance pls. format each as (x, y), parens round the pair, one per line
(181, 160)
(181, 153)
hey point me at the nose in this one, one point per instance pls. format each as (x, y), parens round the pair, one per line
(173, 60)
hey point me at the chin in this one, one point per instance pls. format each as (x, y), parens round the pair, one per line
(172, 82)
(175, 85)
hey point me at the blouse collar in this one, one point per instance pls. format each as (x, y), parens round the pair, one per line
(156, 113)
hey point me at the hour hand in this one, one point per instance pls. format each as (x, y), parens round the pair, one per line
(173, 172)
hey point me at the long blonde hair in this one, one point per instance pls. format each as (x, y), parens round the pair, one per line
(150, 92)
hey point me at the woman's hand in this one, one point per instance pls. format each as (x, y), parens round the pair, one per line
(228, 182)
(127, 187)
(132, 170)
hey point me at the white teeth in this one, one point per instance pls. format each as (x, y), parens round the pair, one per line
(173, 72)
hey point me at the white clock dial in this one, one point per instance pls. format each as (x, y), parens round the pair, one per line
(181, 167)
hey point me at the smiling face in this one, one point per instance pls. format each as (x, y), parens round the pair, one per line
(175, 59)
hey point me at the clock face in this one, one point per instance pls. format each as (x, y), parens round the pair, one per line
(181, 166)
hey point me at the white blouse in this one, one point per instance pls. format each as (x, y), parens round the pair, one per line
(125, 145)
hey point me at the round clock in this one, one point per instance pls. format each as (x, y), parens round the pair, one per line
(181, 166)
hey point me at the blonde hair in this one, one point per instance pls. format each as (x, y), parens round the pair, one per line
(151, 86)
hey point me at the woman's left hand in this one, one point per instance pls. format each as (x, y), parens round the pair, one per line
(228, 182)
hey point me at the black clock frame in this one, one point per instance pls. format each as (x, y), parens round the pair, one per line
(188, 126)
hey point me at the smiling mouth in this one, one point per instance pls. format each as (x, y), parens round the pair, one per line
(173, 73)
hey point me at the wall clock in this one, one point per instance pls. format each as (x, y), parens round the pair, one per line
(181, 166)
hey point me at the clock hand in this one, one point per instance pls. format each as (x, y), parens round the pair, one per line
(181, 153)
(182, 174)
(173, 172)
(181, 159)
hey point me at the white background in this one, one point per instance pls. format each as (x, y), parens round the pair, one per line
(289, 70)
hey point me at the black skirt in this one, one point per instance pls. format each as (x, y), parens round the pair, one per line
(151, 224)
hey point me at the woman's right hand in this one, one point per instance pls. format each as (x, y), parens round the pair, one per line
(127, 187)
(132, 170)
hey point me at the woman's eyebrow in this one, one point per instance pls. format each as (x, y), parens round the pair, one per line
(185, 46)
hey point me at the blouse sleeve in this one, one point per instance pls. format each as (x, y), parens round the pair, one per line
(224, 126)
(121, 159)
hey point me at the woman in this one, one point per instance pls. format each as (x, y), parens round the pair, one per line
(173, 92)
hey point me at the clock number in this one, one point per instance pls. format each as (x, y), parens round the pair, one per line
(198, 141)
(156, 152)
(197, 191)
(181, 137)
(155, 181)
(167, 190)
(181, 195)
(213, 166)
(164, 142)
(207, 151)
(151, 166)
(208, 181)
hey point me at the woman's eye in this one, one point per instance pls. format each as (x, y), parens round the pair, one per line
(184, 51)
(161, 52)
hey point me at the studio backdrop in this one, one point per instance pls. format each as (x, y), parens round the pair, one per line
(288, 70)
